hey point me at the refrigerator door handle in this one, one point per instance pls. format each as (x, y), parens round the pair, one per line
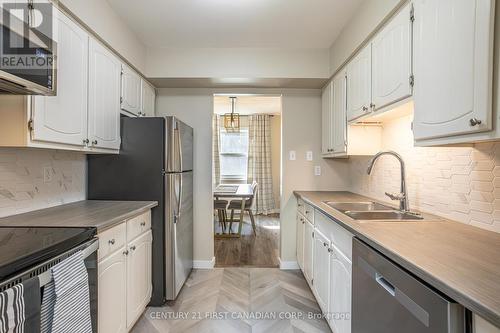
(179, 144)
(179, 198)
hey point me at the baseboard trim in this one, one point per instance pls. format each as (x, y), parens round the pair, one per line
(288, 265)
(204, 264)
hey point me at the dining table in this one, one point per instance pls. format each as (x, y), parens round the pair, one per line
(241, 192)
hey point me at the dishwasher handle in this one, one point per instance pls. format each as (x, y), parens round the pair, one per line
(385, 284)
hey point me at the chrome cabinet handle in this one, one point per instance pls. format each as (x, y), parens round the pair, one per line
(372, 105)
(143, 224)
(475, 121)
(94, 142)
(132, 248)
(85, 141)
(330, 250)
(125, 253)
(365, 108)
(325, 244)
(111, 241)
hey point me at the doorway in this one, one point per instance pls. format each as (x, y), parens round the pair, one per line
(246, 152)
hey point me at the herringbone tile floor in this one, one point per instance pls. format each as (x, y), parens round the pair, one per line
(238, 300)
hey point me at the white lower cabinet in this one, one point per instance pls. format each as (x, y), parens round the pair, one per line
(340, 291)
(124, 282)
(112, 293)
(308, 251)
(321, 270)
(301, 222)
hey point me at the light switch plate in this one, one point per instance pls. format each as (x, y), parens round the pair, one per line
(309, 156)
(293, 155)
(317, 170)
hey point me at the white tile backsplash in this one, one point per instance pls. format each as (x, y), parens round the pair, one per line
(457, 182)
(22, 187)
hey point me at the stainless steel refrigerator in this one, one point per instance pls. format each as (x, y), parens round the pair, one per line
(155, 163)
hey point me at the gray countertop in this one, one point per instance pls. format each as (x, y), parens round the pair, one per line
(88, 213)
(459, 260)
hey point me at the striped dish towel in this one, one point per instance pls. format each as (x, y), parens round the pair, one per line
(20, 308)
(66, 299)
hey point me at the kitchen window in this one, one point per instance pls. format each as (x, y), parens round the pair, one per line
(233, 155)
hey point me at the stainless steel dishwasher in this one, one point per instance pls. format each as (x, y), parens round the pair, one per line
(386, 298)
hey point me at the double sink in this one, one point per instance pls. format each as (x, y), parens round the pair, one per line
(373, 211)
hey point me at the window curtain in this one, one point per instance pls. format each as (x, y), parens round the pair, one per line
(215, 150)
(259, 162)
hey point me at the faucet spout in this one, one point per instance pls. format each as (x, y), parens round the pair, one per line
(402, 197)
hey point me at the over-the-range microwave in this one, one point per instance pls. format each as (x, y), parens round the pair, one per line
(27, 49)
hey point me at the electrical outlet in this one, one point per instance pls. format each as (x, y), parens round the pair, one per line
(293, 155)
(309, 156)
(47, 174)
(317, 170)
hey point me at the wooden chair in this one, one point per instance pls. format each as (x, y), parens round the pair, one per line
(220, 206)
(236, 205)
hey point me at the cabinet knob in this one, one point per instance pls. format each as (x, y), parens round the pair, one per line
(307, 212)
(365, 108)
(325, 244)
(132, 248)
(85, 141)
(372, 105)
(125, 253)
(143, 224)
(330, 250)
(111, 241)
(475, 121)
(94, 142)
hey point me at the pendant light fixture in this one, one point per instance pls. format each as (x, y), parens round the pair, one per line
(232, 120)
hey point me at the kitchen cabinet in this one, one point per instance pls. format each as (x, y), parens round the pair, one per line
(112, 293)
(359, 77)
(340, 291)
(104, 97)
(308, 251)
(326, 119)
(300, 240)
(125, 275)
(453, 68)
(63, 118)
(139, 285)
(131, 90)
(391, 60)
(321, 270)
(148, 99)
(334, 120)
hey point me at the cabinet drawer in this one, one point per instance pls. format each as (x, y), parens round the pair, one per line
(309, 212)
(300, 206)
(138, 225)
(111, 240)
(339, 236)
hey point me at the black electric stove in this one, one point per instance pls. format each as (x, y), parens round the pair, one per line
(24, 247)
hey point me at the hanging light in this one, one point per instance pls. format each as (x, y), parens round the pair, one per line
(232, 120)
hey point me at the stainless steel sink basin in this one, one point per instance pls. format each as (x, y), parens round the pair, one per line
(386, 216)
(358, 206)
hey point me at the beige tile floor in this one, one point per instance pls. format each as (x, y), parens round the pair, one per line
(239, 299)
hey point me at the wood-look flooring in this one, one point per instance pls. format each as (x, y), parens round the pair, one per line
(261, 250)
(238, 300)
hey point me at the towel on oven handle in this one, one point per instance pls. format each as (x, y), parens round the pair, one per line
(20, 308)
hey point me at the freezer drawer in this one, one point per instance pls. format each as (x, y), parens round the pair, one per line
(386, 299)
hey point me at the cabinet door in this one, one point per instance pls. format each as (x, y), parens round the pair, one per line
(326, 119)
(112, 293)
(340, 291)
(148, 99)
(339, 118)
(300, 241)
(131, 91)
(138, 276)
(453, 67)
(308, 251)
(321, 270)
(391, 61)
(104, 97)
(63, 118)
(359, 77)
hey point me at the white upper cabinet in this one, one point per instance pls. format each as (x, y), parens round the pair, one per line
(339, 117)
(391, 60)
(453, 52)
(321, 270)
(359, 76)
(148, 99)
(131, 91)
(326, 119)
(104, 97)
(63, 118)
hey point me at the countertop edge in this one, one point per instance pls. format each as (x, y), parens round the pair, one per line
(121, 218)
(471, 304)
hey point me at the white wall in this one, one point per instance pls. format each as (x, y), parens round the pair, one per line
(369, 15)
(237, 63)
(22, 187)
(102, 19)
(301, 118)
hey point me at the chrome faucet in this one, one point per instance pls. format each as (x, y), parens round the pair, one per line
(403, 196)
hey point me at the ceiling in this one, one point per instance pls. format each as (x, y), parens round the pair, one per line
(236, 23)
(248, 104)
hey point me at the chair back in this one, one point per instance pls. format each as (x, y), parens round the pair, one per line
(255, 186)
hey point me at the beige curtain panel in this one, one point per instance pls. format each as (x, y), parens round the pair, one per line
(259, 162)
(215, 149)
